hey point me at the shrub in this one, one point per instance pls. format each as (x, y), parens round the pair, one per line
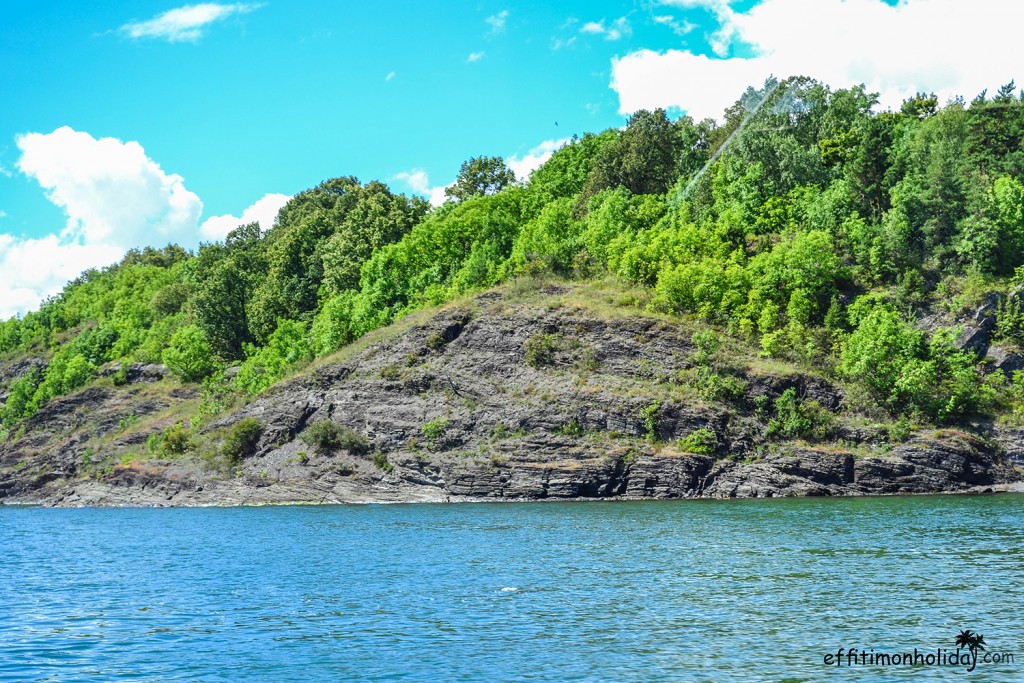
(707, 344)
(540, 350)
(713, 386)
(434, 429)
(287, 347)
(1010, 320)
(795, 418)
(381, 462)
(911, 374)
(572, 428)
(702, 441)
(390, 372)
(326, 436)
(649, 417)
(189, 355)
(241, 441)
(173, 441)
(120, 378)
(900, 430)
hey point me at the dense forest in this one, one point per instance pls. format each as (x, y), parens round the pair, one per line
(806, 223)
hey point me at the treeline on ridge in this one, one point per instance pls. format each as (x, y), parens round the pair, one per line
(819, 235)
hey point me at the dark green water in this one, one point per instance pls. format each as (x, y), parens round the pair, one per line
(702, 591)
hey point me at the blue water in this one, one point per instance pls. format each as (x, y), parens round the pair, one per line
(703, 591)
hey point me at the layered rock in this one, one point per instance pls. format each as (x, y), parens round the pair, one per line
(494, 400)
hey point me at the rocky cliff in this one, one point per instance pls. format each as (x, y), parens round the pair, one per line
(556, 392)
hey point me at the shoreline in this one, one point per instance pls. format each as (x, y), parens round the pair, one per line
(1011, 489)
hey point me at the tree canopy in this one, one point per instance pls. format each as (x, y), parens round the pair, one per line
(806, 224)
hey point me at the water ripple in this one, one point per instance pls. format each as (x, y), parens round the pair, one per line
(704, 591)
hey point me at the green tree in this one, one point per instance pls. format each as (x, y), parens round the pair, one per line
(378, 217)
(480, 176)
(189, 356)
(644, 159)
(225, 277)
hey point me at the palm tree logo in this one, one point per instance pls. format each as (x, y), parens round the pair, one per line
(972, 641)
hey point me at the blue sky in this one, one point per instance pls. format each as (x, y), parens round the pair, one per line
(280, 97)
(130, 123)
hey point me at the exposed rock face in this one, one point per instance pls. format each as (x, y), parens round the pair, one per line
(137, 372)
(465, 407)
(1005, 360)
(979, 328)
(1011, 442)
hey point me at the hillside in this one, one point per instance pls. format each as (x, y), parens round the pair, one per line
(811, 297)
(538, 390)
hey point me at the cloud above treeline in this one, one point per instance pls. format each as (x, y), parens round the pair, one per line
(523, 165)
(185, 24)
(114, 197)
(944, 46)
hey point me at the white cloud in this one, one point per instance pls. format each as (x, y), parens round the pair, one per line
(942, 46)
(680, 28)
(720, 39)
(532, 160)
(419, 182)
(475, 57)
(618, 28)
(112, 193)
(264, 212)
(33, 269)
(497, 22)
(114, 197)
(558, 43)
(185, 23)
(391, 74)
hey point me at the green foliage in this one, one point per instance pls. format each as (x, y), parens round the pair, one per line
(549, 241)
(910, 374)
(648, 157)
(712, 382)
(714, 386)
(812, 234)
(707, 344)
(287, 347)
(1015, 393)
(390, 372)
(242, 439)
(332, 327)
(435, 342)
(19, 403)
(1010, 320)
(174, 441)
(797, 418)
(540, 350)
(189, 356)
(900, 430)
(326, 436)
(572, 428)
(649, 418)
(434, 429)
(480, 176)
(702, 441)
(380, 461)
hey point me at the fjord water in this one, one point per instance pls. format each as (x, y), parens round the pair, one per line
(689, 590)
